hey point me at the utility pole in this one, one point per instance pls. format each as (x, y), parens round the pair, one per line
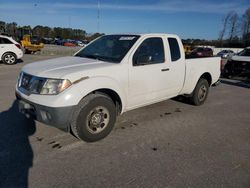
(98, 17)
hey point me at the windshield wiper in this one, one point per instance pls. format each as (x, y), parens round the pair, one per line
(87, 56)
(100, 58)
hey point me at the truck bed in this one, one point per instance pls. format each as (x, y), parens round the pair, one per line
(198, 66)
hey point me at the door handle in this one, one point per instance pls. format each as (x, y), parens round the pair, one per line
(167, 69)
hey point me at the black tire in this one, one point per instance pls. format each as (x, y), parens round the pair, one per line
(200, 92)
(26, 51)
(9, 58)
(93, 108)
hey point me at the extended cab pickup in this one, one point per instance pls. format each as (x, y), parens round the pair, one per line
(111, 75)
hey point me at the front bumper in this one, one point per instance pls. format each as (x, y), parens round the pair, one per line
(59, 117)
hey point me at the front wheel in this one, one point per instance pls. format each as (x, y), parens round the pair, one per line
(200, 92)
(94, 118)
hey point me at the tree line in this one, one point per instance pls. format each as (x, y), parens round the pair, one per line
(235, 30)
(17, 32)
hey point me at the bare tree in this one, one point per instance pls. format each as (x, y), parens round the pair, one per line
(233, 23)
(246, 25)
(225, 24)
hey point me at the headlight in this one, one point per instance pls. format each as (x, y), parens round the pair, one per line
(54, 86)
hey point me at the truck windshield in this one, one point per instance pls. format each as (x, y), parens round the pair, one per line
(110, 48)
(245, 52)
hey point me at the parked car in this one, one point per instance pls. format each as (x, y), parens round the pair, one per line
(69, 43)
(201, 52)
(226, 54)
(59, 41)
(10, 50)
(80, 43)
(111, 75)
(238, 65)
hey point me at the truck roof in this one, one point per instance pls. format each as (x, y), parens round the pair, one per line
(147, 34)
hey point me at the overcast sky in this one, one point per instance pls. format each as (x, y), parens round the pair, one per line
(189, 19)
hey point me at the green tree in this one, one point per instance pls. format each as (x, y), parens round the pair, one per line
(2, 26)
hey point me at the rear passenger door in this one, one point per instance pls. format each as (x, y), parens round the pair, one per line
(1, 48)
(5, 46)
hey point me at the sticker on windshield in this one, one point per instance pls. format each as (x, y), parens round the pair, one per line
(126, 38)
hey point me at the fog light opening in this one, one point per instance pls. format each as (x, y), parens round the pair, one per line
(45, 116)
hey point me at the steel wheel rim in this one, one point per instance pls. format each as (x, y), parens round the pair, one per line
(9, 59)
(202, 93)
(98, 119)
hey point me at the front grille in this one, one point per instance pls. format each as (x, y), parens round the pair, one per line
(241, 66)
(31, 84)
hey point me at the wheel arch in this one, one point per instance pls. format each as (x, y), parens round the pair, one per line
(101, 84)
(193, 81)
(207, 76)
(113, 95)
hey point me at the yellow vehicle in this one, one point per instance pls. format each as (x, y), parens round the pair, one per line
(29, 46)
(188, 49)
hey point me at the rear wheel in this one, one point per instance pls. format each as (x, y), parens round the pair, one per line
(9, 58)
(94, 118)
(200, 92)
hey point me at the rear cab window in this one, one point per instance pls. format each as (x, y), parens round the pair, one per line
(174, 49)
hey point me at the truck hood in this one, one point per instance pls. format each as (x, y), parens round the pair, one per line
(63, 66)
(241, 58)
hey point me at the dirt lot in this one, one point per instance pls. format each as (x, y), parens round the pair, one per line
(169, 144)
(59, 50)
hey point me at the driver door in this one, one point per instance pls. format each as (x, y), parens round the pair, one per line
(148, 73)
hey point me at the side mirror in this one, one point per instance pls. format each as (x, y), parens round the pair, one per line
(143, 60)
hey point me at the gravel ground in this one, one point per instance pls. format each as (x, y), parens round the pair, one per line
(168, 144)
(59, 50)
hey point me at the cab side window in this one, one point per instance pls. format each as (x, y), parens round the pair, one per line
(151, 51)
(174, 49)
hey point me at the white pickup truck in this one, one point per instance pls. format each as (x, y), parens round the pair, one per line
(111, 75)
